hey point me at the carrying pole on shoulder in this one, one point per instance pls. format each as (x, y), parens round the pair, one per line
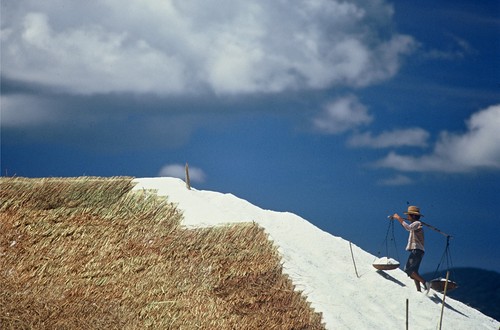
(435, 229)
(390, 217)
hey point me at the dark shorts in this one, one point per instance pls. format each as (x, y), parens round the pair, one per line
(414, 261)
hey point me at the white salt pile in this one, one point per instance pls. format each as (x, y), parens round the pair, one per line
(386, 261)
(322, 266)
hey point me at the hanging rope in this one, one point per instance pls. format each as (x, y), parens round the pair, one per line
(393, 238)
(387, 263)
(446, 256)
(437, 283)
(390, 232)
(386, 236)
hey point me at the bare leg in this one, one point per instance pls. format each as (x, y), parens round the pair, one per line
(418, 279)
(417, 284)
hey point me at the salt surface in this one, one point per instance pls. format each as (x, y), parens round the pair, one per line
(321, 265)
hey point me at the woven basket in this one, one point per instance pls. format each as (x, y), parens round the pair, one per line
(439, 283)
(385, 266)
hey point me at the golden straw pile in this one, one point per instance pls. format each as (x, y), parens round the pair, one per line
(88, 253)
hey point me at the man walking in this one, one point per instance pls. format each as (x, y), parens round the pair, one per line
(415, 245)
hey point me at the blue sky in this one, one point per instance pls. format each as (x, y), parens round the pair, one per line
(341, 112)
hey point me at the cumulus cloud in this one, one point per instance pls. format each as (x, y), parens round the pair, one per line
(177, 47)
(179, 171)
(342, 115)
(477, 148)
(411, 137)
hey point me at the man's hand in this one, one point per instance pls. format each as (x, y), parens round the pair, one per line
(397, 217)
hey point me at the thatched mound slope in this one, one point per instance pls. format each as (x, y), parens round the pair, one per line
(89, 253)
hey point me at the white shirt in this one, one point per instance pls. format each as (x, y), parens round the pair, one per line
(416, 237)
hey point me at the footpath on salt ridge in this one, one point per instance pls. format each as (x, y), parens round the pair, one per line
(321, 266)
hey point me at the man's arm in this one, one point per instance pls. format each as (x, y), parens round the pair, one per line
(413, 226)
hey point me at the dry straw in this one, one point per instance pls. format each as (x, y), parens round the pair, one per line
(89, 253)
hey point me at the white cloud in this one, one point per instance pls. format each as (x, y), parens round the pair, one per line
(412, 137)
(457, 49)
(90, 60)
(477, 148)
(398, 180)
(342, 115)
(174, 47)
(179, 171)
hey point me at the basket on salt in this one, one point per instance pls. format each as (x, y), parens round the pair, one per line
(385, 263)
(439, 283)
